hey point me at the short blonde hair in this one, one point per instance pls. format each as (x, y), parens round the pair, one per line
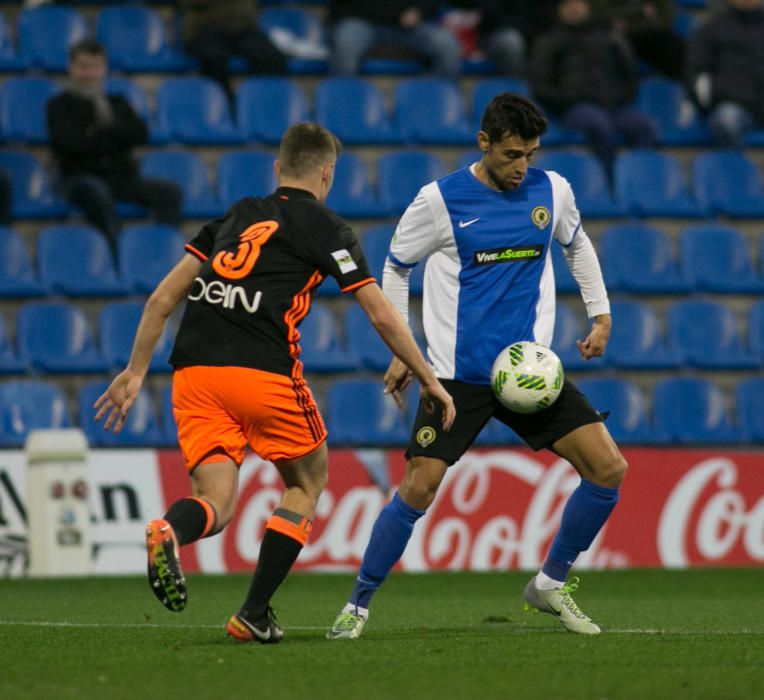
(305, 146)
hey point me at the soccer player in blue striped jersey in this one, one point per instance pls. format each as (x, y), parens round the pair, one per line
(486, 231)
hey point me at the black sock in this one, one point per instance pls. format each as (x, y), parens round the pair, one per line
(285, 535)
(191, 519)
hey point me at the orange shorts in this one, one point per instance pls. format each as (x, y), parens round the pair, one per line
(219, 410)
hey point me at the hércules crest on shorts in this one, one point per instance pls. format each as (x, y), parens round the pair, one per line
(426, 435)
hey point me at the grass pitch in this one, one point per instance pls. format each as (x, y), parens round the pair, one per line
(666, 634)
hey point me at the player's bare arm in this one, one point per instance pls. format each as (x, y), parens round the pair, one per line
(122, 392)
(595, 343)
(397, 336)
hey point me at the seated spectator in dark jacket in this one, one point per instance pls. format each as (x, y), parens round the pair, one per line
(92, 135)
(216, 30)
(6, 197)
(361, 25)
(587, 75)
(725, 70)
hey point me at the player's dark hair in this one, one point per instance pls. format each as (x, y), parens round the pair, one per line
(87, 46)
(305, 146)
(512, 115)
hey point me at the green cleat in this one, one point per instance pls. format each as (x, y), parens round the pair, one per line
(559, 603)
(349, 624)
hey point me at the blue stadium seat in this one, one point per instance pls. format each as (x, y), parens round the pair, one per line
(376, 245)
(22, 108)
(169, 429)
(649, 183)
(358, 413)
(29, 404)
(402, 174)
(186, 169)
(76, 261)
(10, 362)
(688, 410)
(147, 252)
(715, 258)
(266, 107)
(56, 337)
(354, 109)
(705, 334)
(351, 195)
(727, 182)
(140, 429)
(749, 408)
(136, 40)
(636, 341)
(46, 33)
(563, 279)
(667, 102)
(195, 111)
(10, 61)
(245, 174)
(495, 433)
(568, 328)
(623, 400)
(756, 330)
(322, 350)
(117, 325)
(430, 110)
(657, 271)
(32, 196)
(17, 277)
(303, 25)
(587, 177)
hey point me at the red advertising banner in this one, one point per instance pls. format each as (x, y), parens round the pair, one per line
(499, 509)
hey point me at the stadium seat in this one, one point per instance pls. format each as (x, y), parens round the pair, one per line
(430, 110)
(376, 245)
(17, 277)
(186, 169)
(351, 195)
(46, 33)
(627, 420)
(636, 341)
(32, 197)
(657, 271)
(402, 174)
(756, 330)
(563, 279)
(136, 40)
(139, 430)
(749, 408)
(568, 328)
(76, 261)
(117, 325)
(354, 109)
(705, 334)
(649, 183)
(10, 61)
(195, 111)
(358, 413)
(667, 102)
(22, 109)
(169, 429)
(587, 177)
(29, 404)
(266, 107)
(322, 350)
(56, 337)
(727, 182)
(147, 252)
(716, 259)
(295, 25)
(10, 362)
(245, 174)
(688, 410)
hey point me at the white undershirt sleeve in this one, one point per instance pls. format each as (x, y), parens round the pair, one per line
(585, 268)
(395, 285)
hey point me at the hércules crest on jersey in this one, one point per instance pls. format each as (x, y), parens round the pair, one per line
(540, 217)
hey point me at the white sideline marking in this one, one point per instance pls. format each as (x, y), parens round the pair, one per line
(139, 625)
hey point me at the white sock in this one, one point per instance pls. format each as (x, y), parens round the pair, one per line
(545, 583)
(353, 608)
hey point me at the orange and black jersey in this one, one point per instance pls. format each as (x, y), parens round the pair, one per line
(263, 262)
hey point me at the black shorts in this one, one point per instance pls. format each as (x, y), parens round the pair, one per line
(476, 404)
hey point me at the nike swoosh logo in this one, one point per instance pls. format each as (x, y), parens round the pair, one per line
(464, 224)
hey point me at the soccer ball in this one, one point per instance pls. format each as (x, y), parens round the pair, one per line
(527, 377)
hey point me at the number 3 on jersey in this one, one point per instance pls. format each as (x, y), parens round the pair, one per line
(234, 265)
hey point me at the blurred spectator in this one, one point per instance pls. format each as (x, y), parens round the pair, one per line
(6, 197)
(361, 25)
(586, 74)
(648, 27)
(725, 70)
(216, 30)
(92, 135)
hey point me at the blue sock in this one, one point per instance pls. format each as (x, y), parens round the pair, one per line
(586, 511)
(389, 537)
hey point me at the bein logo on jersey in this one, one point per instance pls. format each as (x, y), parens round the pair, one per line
(226, 294)
(236, 265)
(507, 255)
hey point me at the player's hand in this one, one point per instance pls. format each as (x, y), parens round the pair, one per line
(435, 393)
(397, 378)
(595, 343)
(117, 400)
